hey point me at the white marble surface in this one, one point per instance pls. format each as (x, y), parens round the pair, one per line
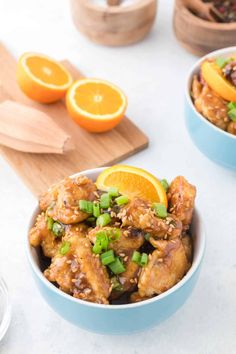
(152, 73)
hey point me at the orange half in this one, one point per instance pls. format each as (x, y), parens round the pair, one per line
(133, 182)
(41, 78)
(96, 105)
(212, 75)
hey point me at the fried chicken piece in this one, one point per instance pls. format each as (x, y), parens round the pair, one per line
(135, 297)
(210, 104)
(138, 213)
(130, 239)
(129, 278)
(165, 268)
(80, 272)
(188, 247)
(62, 200)
(232, 128)
(39, 235)
(181, 197)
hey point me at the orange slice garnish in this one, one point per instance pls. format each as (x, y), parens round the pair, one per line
(96, 105)
(133, 182)
(41, 78)
(213, 76)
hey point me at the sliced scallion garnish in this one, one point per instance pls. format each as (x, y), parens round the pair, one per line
(122, 200)
(96, 209)
(144, 259)
(58, 229)
(160, 210)
(117, 266)
(113, 192)
(164, 184)
(50, 222)
(105, 201)
(103, 220)
(86, 206)
(65, 247)
(107, 257)
(136, 257)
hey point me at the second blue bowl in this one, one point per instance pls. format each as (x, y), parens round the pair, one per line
(216, 144)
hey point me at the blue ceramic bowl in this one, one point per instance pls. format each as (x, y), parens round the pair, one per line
(119, 319)
(216, 144)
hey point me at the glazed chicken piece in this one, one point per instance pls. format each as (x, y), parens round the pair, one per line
(138, 213)
(131, 239)
(166, 267)
(61, 202)
(181, 197)
(129, 278)
(41, 235)
(80, 272)
(188, 247)
(232, 128)
(209, 104)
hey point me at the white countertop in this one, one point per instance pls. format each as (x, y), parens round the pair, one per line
(152, 73)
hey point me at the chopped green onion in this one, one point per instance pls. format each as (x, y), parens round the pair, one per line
(136, 257)
(101, 243)
(144, 259)
(103, 220)
(160, 210)
(97, 248)
(91, 219)
(164, 184)
(231, 105)
(65, 247)
(105, 201)
(116, 285)
(104, 243)
(113, 192)
(232, 114)
(50, 222)
(122, 200)
(116, 267)
(57, 229)
(114, 234)
(221, 62)
(147, 236)
(86, 206)
(96, 209)
(101, 234)
(107, 257)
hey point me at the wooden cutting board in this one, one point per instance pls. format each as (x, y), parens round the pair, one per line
(39, 171)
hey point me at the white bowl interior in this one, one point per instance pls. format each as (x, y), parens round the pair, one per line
(197, 232)
(225, 52)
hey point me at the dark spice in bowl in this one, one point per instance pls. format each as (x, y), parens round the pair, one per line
(226, 8)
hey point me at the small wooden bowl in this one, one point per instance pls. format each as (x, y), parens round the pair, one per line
(114, 25)
(199, 36)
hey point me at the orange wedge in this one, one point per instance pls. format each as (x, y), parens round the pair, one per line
(214, 78)
(96, 105)
(41, 78)
(133, 182)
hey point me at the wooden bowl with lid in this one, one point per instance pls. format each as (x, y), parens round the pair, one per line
(117, 23)
(200, 36)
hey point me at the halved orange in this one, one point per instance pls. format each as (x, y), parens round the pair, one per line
(213, 76)
(96, 105)
(133, 182)
(41, 78)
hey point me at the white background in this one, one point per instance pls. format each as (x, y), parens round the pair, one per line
(152, 73)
